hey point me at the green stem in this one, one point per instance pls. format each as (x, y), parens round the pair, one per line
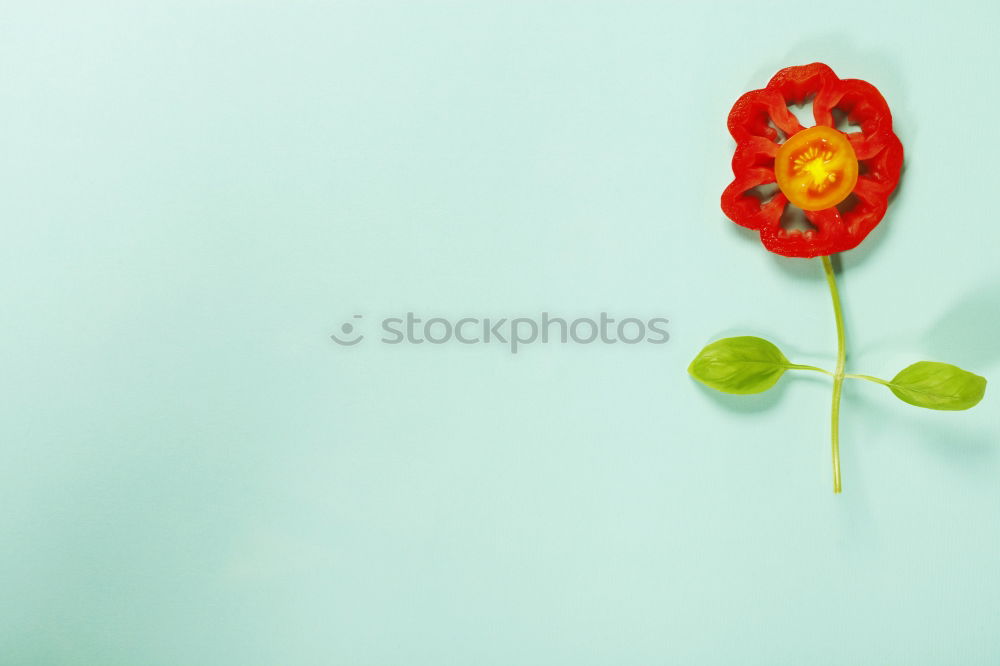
(867, 378)
(838, 375)
(796, 366)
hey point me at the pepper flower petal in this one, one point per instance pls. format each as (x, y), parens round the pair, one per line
(760, 122)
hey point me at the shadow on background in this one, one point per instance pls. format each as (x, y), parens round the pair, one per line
(941, 434)
(967, 333)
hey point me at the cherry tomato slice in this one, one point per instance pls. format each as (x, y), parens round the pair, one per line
(816, 168)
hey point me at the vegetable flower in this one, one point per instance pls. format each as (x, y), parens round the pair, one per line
(842, 181)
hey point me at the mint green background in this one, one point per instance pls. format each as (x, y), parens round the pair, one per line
(196, 194)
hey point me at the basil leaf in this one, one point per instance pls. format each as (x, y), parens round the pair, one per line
(938, 386)
(741, 365)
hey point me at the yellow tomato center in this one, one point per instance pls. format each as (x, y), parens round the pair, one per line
(816, 168)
